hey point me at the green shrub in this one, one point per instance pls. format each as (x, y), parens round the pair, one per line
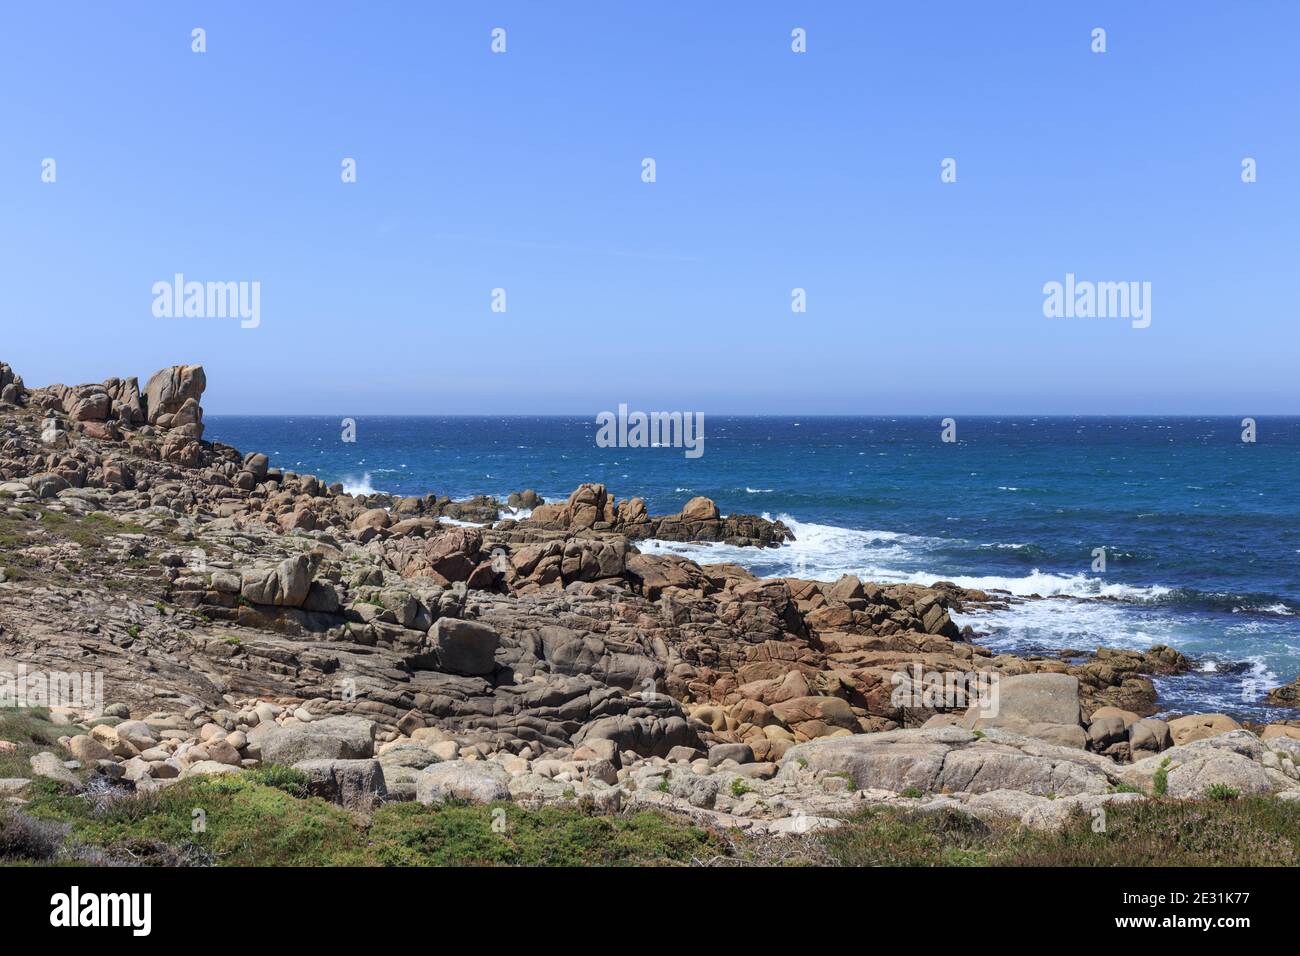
(1160, 781)
(408, 834)
(1220, 791)
(230, 819)
(291, 781)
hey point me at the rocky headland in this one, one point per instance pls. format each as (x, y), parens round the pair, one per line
(424, 649)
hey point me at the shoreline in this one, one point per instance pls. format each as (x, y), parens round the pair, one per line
(245, 616)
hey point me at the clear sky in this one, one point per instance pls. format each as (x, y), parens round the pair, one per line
(775, 170)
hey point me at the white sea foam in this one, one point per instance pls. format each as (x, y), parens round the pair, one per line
(443, 519)
(825, 552)
(359, 486)
(1279, 609)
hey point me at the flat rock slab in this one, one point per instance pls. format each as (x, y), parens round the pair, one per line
(953, 760)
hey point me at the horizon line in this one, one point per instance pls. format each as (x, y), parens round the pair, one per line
(587, 415)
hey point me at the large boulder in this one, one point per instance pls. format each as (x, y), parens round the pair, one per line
(464, 647)
(700, 508)
(330, 738)
(286, 585)
(1148, 736)
(478, 781)
(647, 736)
(128, 405)
(1234, 759)
(356, 784)
(47, 765)
(12, 391)
(1194, 727)
(169, 389)
(1045, 706)
(813, 716)
(588, 505)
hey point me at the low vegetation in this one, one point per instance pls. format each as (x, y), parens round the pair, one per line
(260, 819)
(1254, 831)
(31, 730)
(264, 817)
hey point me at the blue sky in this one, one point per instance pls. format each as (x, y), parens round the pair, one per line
(775, 170)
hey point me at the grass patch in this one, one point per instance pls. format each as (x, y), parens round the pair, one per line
(259, 818)
(408, 834)
(1252, 831)
(881, 837)
(229, 819)
(90, 530)
(291, 781)
(1221, 791)
(30, 728)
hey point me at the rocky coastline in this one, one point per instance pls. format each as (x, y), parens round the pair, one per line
(427, 650)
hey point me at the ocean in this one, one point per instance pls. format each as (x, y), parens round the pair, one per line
(1200, 530)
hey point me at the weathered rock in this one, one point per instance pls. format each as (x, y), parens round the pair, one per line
(1148, 736)
(647, 736)
(356, 784)
(170, 388)
(1285, 695)
(330, 738)
(464, 647)
(1200, 726)
(49, 766)
(1039, 705)
(87, 749)
(952, 760)
(471, 781)
(1233, 759)
(285, 585)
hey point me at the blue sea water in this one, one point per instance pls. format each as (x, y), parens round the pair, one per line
(1200, 529)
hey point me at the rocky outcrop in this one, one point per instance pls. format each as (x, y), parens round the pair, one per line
(1286, 695)
(1236, 759)
(591, 508)
(250, 615)
(12, 390)
(1185, 730)
(952, 760)
(1045, 706)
